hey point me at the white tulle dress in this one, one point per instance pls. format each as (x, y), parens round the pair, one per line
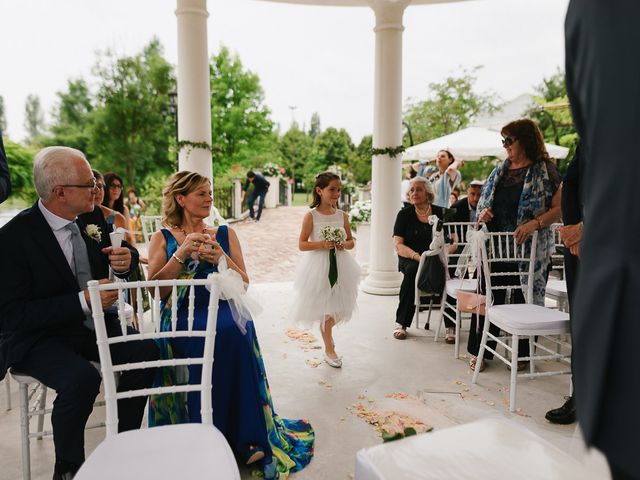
(314, 297)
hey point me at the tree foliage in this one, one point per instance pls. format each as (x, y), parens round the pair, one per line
(129, 129)
(449, 107)
(3, 115)
(72, 116)
(314, 126)
(241, 127)
(33, 118)
(295, 147)
(20, 160)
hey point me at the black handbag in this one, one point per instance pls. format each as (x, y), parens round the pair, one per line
(432, 277)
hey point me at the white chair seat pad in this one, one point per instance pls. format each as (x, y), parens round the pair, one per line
(557, 288)
(172, 451)
(524, 316)
(466, 285)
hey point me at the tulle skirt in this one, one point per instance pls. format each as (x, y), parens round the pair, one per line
(314, 298)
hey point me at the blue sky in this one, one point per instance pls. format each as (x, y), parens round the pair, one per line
(316, 59)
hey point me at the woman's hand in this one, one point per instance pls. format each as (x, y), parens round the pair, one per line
(210, 251)
(191, 244)
(339, 246)
(524, 231)
(485, 215)
(327, 245)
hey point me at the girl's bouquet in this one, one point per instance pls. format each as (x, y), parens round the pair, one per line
(337, 235)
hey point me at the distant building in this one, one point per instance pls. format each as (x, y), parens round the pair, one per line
(509, 111)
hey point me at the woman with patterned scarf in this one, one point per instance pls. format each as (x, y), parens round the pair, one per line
(521, 195)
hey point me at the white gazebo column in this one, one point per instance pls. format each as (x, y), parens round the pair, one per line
(384, 278)
(194, 92)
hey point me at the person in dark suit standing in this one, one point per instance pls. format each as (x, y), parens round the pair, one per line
(571, 235)
(5, 179)
(603, 83)
(48, 253)
(260, 188)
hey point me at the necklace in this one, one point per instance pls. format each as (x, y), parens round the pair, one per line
(423, 213)
(204, 230)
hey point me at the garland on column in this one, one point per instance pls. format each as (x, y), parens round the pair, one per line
(189, 145)
(391, 151)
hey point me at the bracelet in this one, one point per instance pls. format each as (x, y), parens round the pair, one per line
(177, 259)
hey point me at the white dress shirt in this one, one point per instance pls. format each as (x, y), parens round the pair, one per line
(63, 236)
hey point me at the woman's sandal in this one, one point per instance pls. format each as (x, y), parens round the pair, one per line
(254, 454)
(473, 361)
(400, 334)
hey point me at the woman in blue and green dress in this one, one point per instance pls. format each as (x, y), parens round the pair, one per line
(242, 406)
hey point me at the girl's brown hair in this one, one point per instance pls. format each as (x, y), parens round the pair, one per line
(322, 181)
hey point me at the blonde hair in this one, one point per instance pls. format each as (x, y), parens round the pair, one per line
(181, 183)
(427, 185)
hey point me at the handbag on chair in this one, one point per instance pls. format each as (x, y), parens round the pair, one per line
(472, 302)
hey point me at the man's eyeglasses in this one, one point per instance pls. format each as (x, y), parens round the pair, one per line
(508, 141)
(91, 185)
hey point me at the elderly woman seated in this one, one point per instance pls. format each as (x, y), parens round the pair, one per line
(412, 236)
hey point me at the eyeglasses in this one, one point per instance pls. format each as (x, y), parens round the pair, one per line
(508, 141)
(92, 185)
(115, 186)
(100, 186)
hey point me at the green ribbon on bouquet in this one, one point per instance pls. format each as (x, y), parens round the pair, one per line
(333, 267)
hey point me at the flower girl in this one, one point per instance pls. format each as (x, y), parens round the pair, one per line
(326, 282)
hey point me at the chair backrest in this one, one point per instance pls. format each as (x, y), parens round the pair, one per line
(109, 369)
(456, 232)
(501, 247)
(557, 258)
(150, 225)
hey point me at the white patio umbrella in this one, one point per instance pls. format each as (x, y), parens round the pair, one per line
(470, 144)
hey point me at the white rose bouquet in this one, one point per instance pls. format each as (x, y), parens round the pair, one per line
(337, 235)
(360, 212)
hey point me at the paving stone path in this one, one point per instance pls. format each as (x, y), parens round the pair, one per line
(270, 247)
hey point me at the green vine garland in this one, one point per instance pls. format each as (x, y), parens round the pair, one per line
(189, 145)
(391, 151)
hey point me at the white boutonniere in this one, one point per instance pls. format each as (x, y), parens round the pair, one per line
(93, 232)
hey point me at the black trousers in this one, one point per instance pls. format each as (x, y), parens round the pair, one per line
(63, 364)
(260, 196)
(499, 298)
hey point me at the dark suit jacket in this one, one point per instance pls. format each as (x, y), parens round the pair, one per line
(462, 210)
(603, 82)
(5, 179)
(38, 291)
(572, 201)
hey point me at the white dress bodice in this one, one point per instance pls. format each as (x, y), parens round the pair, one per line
(320, 220)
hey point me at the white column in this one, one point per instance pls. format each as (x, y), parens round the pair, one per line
(194, 93)
(384, 278)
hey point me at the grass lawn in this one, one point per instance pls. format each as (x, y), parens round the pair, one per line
(301, 199)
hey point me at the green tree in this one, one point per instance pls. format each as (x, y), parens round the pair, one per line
(129, 132)
(360, 161)
(3, 115)
(72, 116)
(20, 160)
(449, 107)
(314, 127)
(33, 118)
(295, 147)
(332, 147)
(241, 128)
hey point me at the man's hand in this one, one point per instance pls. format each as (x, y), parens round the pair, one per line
(119, 258)
(571, 234)
(107, 298)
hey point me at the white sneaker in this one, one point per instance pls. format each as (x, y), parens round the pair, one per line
(333, 362)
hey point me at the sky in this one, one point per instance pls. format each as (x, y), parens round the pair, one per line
(309, 58)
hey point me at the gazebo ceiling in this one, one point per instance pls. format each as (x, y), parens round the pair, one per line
(361, 3)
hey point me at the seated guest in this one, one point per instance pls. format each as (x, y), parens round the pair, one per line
(455, 195)
(412, 236)
(243, 410)
(465, 209)
(46, 330)
(113, 218)
(114, 200)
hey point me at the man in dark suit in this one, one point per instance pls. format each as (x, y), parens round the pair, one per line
(48, 253)
(5, 179)
(571, 234)
(603, 82)
(259, 192)
(465, 209)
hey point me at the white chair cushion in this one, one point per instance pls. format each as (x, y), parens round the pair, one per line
(456, 284)
(524, 316)
(557, 288)
(172, 451)
(470, 451)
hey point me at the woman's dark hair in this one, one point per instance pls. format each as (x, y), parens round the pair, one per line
(449, 154)
(322, 181)
(530, 137)
(97, 175)
(118, 204)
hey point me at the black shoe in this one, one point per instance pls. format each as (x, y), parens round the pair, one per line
(564, 415)
(65, 470)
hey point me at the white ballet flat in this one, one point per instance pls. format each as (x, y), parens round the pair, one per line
(333, 362)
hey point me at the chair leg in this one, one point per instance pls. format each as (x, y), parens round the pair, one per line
(439, 327)
(7, 391)
(456, 347)
(41, 404)
(418, 315)
(514, 373)
(483, 344)
(532, 353)
(24, 431)
(426, 327)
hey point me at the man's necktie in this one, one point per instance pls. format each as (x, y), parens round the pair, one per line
(81, 263)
